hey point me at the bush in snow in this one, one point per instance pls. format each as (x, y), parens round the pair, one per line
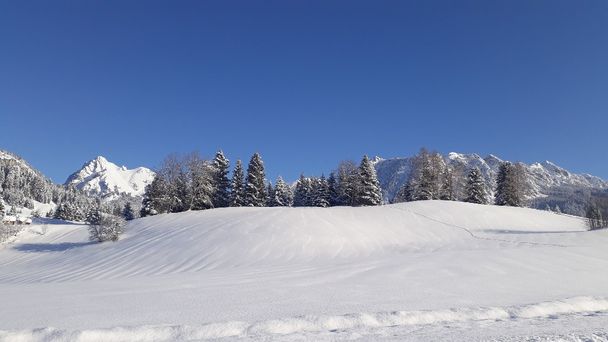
(9, 230)
(107, 228)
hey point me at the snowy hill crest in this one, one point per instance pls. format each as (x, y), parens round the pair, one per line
(102, 177)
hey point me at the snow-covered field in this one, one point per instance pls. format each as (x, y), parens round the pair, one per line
(415, 271)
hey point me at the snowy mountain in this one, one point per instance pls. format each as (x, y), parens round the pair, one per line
(25, 188)
(102, 177)
(548, 183)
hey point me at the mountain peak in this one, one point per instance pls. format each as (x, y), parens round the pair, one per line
(102, 177)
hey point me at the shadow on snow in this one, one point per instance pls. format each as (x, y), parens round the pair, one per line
(50, 247)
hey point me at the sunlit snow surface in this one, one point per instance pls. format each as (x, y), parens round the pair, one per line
(416, 271)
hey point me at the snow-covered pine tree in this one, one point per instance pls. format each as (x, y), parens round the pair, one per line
(270, 192)
(348, 181)
(320, 194)
(332, 185)
(302, 196)
(476, 187)
(369, 192)
(237, 186)
(94, 215)
(425, 178)
(283, 196)
(509, 185)
(594, 216)
(255, 189)
(156, 198)
(127, 212)
(221, 183)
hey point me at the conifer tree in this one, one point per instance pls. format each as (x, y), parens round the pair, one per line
(509, 185)
(476, 187)
(283, 196)
(237, 187)
(302, 196)
(156, 198)
(127, 212)
(369, 192)
(270, 192)
(221, 183)
(255, 189)
(94, 214)
(594, 216)
(347, 183)
(332, 185)
(320, 196)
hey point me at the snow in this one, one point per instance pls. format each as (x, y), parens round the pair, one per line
(545, 176)
(413, 271)
(100, 176)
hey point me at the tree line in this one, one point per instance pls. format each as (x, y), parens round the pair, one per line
(431, 178)
(192, 183)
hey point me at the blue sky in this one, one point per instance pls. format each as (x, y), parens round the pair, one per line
(306, 83)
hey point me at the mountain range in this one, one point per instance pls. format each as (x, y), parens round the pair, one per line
(548, 184)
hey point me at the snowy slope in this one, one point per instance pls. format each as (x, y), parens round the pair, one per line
(420, 271)
(101, 177)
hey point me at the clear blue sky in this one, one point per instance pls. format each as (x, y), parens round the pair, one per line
(306, 83)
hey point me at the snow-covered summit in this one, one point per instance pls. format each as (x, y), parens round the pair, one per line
(102, 177)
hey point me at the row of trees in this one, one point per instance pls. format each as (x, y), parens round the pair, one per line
(431, 178)
(350, 185)
(191, 183)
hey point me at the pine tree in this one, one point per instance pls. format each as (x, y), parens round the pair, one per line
(255, 189)
(509, 185)
(476, 187)
(302, 196)
(221, 183)
(347, 183)
(283, 196)
(94, 215)
(156, 198)
(406, 192)
(1, 209)
(270, 192)
(369, 192)
(334, 196)
(127, 212)
(237, 188)
(320, 194)
(594, 215)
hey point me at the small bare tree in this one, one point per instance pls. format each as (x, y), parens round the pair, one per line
(107, 228)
